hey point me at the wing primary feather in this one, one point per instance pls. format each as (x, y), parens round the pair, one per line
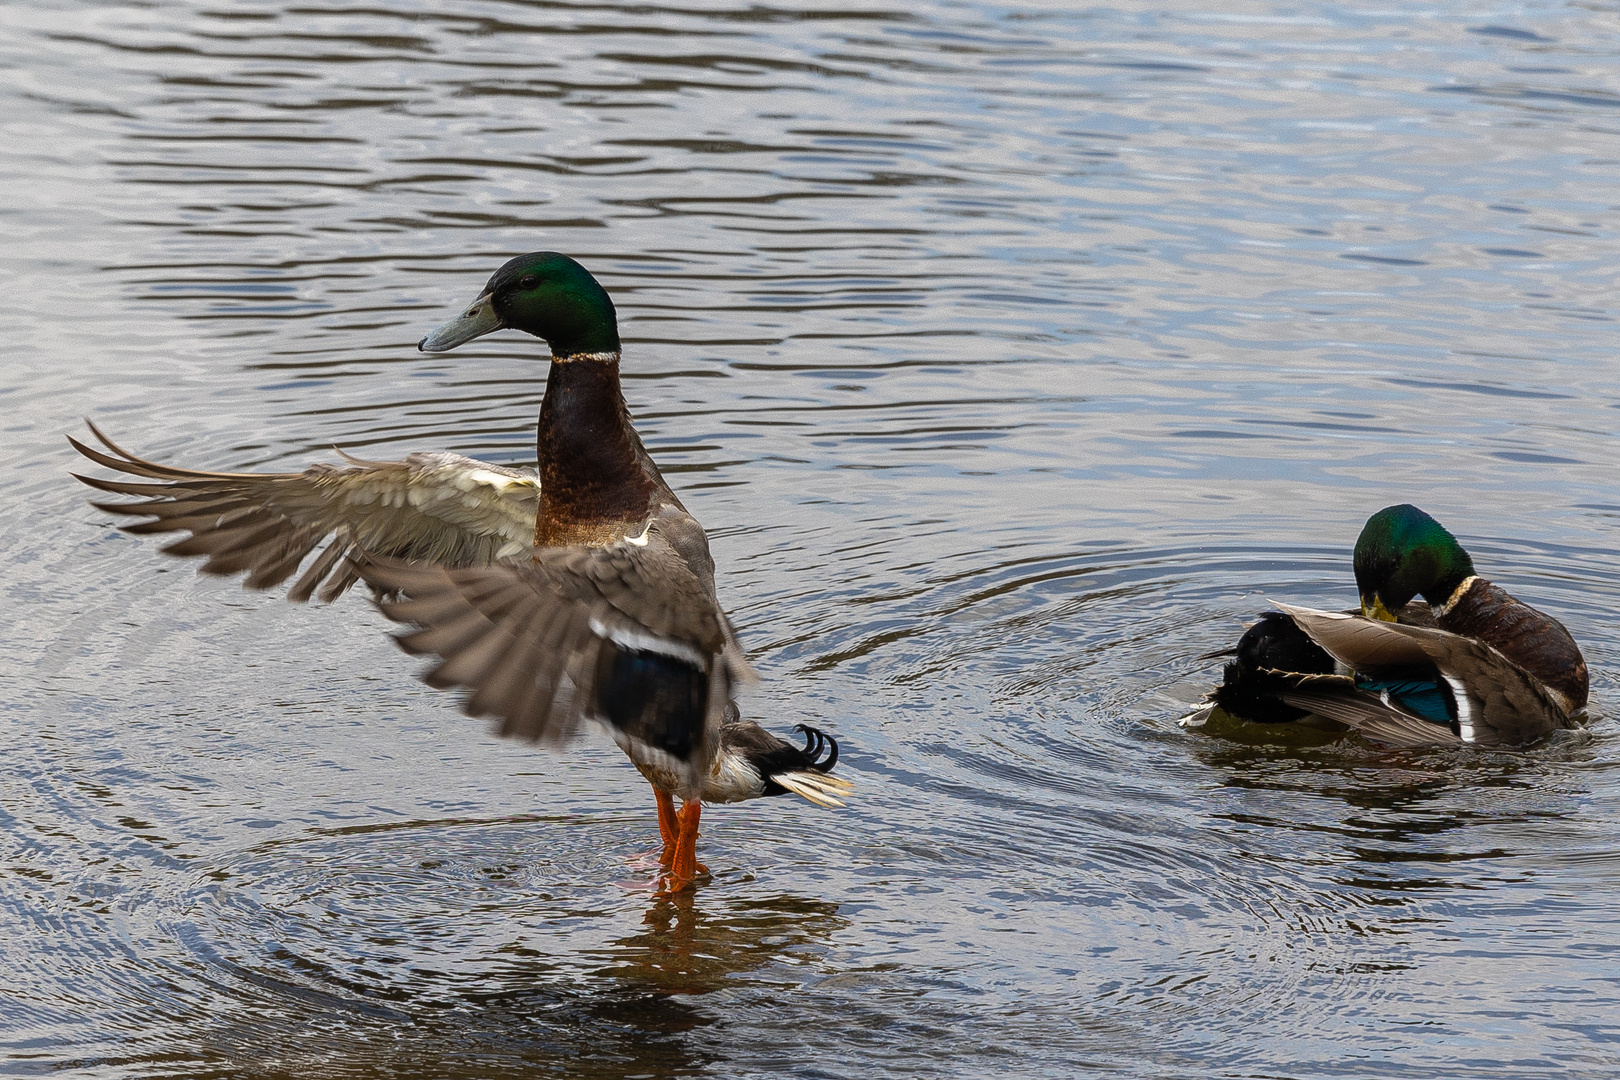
(429, 613)
(131, 465)
(304, 588)
(251, 527)
(127, 462)
(469, 666)
(501, 693)
(423, 600)
(166, 519)
(157, 492)
(266, 574)
(342, 580)
(451, 635)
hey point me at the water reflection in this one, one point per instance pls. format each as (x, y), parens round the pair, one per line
(686, 950)
(432, 970)
(524, 1024)
(1403, 822)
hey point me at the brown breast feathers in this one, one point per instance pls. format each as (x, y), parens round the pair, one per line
(597, 483)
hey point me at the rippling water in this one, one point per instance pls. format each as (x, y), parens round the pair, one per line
(1013, 357)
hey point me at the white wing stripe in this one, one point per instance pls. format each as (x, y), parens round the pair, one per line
(1465, 708)
(626, 638)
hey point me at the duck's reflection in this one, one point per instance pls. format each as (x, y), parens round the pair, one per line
(685, 949)
(618, 1009)
(1404, 821)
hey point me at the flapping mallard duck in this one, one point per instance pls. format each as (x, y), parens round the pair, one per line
(586, 593)
(1471, 666)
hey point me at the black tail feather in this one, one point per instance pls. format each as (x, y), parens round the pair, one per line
(815, 741)
(1269, 651)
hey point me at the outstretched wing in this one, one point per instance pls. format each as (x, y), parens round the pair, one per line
(438, 508)
(629, 635)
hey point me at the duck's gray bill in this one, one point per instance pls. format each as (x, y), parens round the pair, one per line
(479, 319)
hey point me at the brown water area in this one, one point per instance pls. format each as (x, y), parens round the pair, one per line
(1014, 358)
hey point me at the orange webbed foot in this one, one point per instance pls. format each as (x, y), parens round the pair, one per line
(683, 864)
(670, 882)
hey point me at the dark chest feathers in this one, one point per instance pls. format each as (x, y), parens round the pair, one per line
(1536, 642)
(595, 476)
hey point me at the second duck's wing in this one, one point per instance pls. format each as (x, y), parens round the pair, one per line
(438, 508)
(1498, 703)
(627, 634)
(1337, 697)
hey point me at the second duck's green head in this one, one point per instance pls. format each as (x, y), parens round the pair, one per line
(545, 294)
(1403, 552)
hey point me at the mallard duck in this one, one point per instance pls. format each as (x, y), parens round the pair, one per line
(586, 592)
(1472, 666)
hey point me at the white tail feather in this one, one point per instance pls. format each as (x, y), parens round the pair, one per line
(1197, 718)
(820, 788)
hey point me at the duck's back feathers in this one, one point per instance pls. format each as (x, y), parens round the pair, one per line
(441, 508)
(629, 634)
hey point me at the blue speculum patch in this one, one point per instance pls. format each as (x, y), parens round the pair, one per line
(1428, 697)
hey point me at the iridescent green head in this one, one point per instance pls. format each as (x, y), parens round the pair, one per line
(545, 294)
(1403, 552)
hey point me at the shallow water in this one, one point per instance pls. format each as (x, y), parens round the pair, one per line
(1013, 358)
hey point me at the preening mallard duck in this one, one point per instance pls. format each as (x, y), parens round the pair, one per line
(1472, 666)
(586, 593)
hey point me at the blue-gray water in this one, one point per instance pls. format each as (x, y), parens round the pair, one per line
(1013, 358)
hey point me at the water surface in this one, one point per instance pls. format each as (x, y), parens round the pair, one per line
(1013, 358)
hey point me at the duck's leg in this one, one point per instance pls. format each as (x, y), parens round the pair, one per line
(684, 866)
(667, 826)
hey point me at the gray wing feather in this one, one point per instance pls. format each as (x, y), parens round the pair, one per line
(524, 636)
(1337, 698)
(441, 508)
(1358, 642)
(1504, 704)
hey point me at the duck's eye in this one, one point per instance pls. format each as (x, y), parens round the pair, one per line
(528, 282)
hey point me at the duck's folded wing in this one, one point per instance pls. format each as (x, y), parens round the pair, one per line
(1338, 698)
(1358, 642)
(1497, 701)
(626, 635)
(438, 508)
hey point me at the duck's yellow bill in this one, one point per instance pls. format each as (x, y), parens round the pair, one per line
(1376, 609)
